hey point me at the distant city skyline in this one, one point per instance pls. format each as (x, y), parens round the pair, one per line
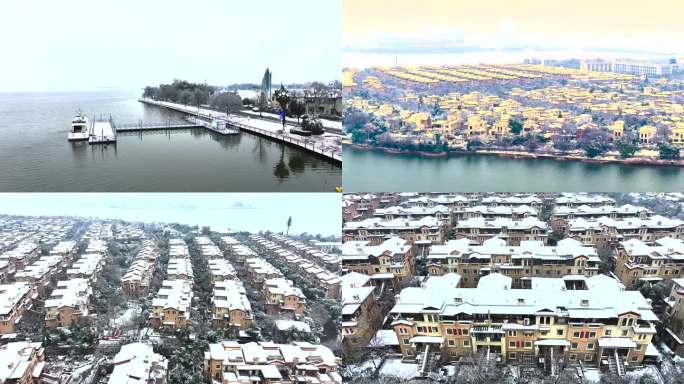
(496, 24)
(315, 213)
(83, 46)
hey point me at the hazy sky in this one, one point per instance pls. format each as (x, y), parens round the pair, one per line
(83, 45)
(655, 25)
(311, 212)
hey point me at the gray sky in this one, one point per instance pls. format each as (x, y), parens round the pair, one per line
(85, 45)
(311, 212)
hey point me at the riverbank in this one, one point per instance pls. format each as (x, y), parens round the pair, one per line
(650, 161)
(374, 170)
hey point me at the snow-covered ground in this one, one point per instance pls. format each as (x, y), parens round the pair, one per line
(396, 367)
(592, 375)
(326, 123)
(635, 376)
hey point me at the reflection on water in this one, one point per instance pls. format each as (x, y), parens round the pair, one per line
(35, 155)
(377, 171)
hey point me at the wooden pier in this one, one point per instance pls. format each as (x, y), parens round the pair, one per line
(154, 127)
(330, 152)
(105, 132)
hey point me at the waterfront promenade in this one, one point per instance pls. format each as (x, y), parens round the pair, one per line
(327, 145)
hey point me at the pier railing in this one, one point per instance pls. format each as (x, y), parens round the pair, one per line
(334, 154)
(306, 144)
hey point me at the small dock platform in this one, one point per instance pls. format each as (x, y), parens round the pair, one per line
(102, 132)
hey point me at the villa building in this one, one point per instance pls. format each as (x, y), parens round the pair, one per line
(268, 363)
(479, 229)
(393, 256)
(68, 304)
(282, 297)
(529, 259)
(592, 319)
(638, 261)
(230, 306)
(171, 307)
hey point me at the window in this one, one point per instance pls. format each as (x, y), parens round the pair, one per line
(590, 346)
(587, 357)
(559, 332)
(403, 331)
(511, 344)
(406, 341)
(465, 332)
(452, 343)
(573, 357)
(511, 355)
(528, 344)
(638, 348)
(450, 331)
(624, 333)
(608, 332)
(466, 343)
(576, 335)
(573, 346)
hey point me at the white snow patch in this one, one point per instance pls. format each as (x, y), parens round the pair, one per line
(396, 367)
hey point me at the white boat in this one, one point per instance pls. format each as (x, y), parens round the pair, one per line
(79, 128)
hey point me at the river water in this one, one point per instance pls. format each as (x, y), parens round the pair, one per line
(377, 171)
(36, 156)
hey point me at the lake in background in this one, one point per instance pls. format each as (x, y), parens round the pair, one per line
(36, 156)
(374, 171)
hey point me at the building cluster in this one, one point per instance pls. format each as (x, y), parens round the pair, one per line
(61, 276)
(230, 306)
(47, 231)
(69, 301)
(231, 363)
(136, 281)
(452, 105)
(207, 249)
(530, 278)
(633, 67)
(126, 233)
(173, 302)
(301, 260)
(310, 252)
(31, 282)
(238, 251)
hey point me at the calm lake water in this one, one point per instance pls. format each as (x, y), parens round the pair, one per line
(377, 171)
(36, 156)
